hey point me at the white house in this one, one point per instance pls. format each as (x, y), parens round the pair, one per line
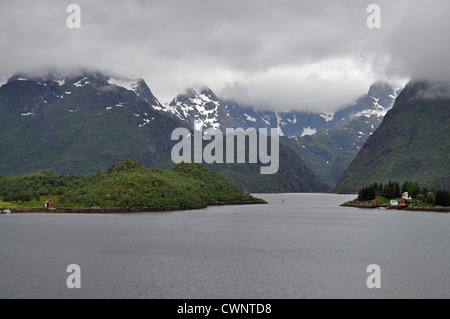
(406, 196)
(394, 202)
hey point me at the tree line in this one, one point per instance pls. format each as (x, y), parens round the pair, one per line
(392, 190)
(31, 187)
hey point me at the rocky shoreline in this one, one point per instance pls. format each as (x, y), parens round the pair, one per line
(124, 210)
(406, 208)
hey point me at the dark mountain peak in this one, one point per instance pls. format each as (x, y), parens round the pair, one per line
(200, 90)
(92, 83)
(426, 89)
(54, 76)
(380, 88)
(199, 95)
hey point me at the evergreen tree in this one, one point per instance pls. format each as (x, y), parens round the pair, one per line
(431, 197)
(380, 189)
(405, 187)
(371, 194)
(398, 193)
(442, 198)
(413, 190)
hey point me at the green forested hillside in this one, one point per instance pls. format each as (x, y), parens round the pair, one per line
(330, 151)
(411, 144)
(126, 184)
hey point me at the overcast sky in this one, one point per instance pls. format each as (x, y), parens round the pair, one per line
(284, 54)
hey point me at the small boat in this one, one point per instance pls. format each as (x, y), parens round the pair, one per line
(282, 200)
(6, 211)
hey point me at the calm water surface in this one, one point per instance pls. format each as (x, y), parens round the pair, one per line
(306, 247)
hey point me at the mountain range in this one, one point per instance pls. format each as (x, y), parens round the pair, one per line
(83, 124)
(79, 125)
(201, 108)
(330, 151)
(326, 143)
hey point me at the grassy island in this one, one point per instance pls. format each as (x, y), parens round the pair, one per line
(125, 187)
(409, 196)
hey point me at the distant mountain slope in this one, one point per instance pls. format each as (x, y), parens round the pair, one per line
(79, 125)
(293, 176)
(84, 124)
(201, 108)
(330, 151)
(290, 124)
(412, 143)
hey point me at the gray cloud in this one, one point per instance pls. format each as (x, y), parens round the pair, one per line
(286, 54)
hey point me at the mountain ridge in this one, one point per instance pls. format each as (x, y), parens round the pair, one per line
(410, 145)
(84, 124)
(203, 109)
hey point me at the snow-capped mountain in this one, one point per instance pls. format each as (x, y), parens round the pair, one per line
(373, 107)
(327, 142)
(288, 123)
(201, 108)
(79, 124)
(330, 151)
(411, 144)
(83, 124)
(61, 86)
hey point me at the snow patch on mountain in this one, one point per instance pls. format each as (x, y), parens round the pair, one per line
(3, 81)
(147, 121)
(378, 110)
(328, 117)
(279, 123)
(266, 119)
(370, 113)
(376, 105)
(250, 118)
(130, 85)
(309, 131)
(83, 82)
(199, 107)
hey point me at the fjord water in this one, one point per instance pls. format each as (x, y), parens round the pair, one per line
(305, 247)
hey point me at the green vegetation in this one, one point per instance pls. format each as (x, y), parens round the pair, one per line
(97, 125)
(329, 152)
(383, 193)
(442, 198)
(411, 144)
(293, 175)
(80, 134)
(126, 184)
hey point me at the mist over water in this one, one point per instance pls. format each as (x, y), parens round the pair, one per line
(305, 247)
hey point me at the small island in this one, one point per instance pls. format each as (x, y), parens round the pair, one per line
(410, 197)
(126, 187)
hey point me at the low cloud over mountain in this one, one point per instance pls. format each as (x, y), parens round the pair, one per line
(270, 53)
